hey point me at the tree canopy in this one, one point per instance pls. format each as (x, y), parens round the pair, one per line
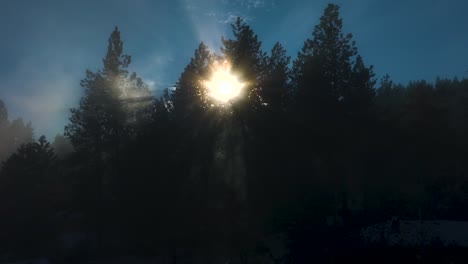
(313, 150)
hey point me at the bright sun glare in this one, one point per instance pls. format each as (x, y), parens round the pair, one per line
(223, 85)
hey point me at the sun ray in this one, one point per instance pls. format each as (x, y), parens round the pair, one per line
(223, 84)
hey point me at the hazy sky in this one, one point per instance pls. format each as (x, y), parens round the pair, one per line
(46, 46)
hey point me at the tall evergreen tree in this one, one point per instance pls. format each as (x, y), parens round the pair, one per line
(190, 98)
(332, 88)
(192, 111)
(321, 77)
(243, 132)
(28, 199)
(361, 94)
(99, 124)
(329, 50)
(334, 50)
(331, 83)
(275, 90)
(248, 60)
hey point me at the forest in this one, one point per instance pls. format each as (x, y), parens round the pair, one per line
(312, 151)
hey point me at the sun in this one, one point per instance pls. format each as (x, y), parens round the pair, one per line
(223, 85)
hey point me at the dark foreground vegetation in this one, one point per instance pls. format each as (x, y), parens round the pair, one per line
(315, 150)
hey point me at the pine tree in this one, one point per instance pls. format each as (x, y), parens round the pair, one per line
(99, 124)
(190, 98)
(275, 90)
(191, 107)
(28, 198)
(101, 127)
(62, 146)
(334, 50)
(324, 65)
(248, 60)
(322, 79)
(389, 99)
(331, 86)
(360, 97)
(38, 155)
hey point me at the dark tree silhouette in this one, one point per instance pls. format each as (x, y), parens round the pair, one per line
(101, 127)
(276, 84)
(12, 133)
(245, 54)
(291, 171)
(99, 124)
(62, 146)
(28, 198)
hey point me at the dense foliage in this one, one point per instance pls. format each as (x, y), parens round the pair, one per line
(314, 150)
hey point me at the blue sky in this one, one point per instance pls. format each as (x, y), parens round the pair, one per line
(46, 46)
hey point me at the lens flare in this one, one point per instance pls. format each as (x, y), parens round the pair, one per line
(223, 85)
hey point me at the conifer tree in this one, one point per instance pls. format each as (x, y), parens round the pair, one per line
(275, 90)
(99, 124)
(28, 198)
(248, 60)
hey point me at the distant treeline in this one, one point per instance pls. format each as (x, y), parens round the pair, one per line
(314, 149)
